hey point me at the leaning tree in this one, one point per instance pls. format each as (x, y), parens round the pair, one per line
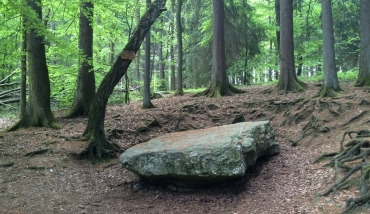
(99, 146)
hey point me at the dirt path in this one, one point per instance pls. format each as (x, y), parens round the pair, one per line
(55, 181)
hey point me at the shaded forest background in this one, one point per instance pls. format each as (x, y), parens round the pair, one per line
(250, 32)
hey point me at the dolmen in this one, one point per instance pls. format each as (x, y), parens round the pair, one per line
(195, 158)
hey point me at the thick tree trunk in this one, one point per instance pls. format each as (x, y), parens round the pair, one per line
(219, 82)
(331, 84)
(147, 103)
(99, 146)
(85, 89)
(363, 78)
(38, 109)
(288, 80)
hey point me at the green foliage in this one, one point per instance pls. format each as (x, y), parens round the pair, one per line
(250, 30)
(348, 75)
(194, 90)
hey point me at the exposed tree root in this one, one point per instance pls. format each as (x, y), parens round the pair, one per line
(352, 203)
(310, 125)
(360, 82)
(331, 154)
(179, 92)
(218, 90)
(357, 149)
(76, 111)
(328, 92)
(355, 117)
(99, 148)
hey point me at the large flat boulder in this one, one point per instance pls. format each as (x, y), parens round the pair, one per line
(196, 157)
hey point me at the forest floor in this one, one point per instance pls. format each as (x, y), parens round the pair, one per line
(53, 180)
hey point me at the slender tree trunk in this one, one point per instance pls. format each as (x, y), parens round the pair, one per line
(160, 63)
(38, 109)
(137, 59)
(331, 84)
(179, 89)
(23, 104)
(147, 103)
(300, 64)
(99, 146)
(363, 78)
(85, 89)
(172, 26)
(269, 79)
(277, 12)
(288, 80)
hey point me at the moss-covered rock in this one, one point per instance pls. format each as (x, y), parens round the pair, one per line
(198, 157)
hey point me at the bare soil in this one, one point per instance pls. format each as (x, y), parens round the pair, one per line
(53, 180)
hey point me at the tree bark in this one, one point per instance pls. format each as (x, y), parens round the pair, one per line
(288, 79)
(38, 109)
(179, 89)
(363, 78)
(219, 82)
(162, 86)
(277, 12)
(172, 68)
(147, 103)
(331, 84)
(99, 146)
(85, 90)
(137, 59)
(23, 95)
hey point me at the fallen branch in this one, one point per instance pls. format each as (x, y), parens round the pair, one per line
(7, 77)
(37, 152)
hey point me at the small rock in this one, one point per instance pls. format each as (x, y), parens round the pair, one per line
(81, 206)
(139, 186)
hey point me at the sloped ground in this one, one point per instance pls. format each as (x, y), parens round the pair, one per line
(55, 181)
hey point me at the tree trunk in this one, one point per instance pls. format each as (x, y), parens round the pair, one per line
(331, 84)
(146, 92)
(99, 146)
(137, 59)
(179, 89)
(23, 104)
(162, 86)
(38, 109)
(300, 64)
(85, 89)
(219, 82)
(277, 12)
(288, 80)
(172, 68)
(269, 79)
(363, 78)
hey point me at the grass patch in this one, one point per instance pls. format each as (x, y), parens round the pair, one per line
(194, 90)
